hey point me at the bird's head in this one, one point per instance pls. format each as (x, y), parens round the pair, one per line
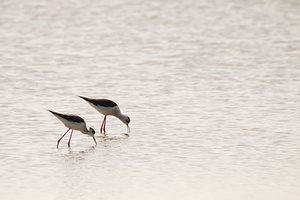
(92, 133)
(126, 120)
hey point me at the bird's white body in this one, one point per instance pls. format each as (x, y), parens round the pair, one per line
(114, 111)
(80, 126)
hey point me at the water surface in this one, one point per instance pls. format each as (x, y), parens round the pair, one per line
(211, 87)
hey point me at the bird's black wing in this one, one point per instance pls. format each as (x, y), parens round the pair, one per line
(100, 102)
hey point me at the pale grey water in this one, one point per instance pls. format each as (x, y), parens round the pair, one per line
(212, 89)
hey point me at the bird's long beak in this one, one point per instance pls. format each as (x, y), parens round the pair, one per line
(128, 129)
(94, 140)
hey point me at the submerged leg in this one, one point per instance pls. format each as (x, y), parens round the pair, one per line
(70, 138)
(62, 137)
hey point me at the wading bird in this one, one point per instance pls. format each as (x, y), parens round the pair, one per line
(73, 122)
(107, 107)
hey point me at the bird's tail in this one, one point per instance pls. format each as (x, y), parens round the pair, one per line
(85, 98)
(55, 113)
(51, 111)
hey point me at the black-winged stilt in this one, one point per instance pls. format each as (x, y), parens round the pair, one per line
(73, 122)
(107, 107)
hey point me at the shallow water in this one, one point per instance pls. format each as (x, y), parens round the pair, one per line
(211, 87)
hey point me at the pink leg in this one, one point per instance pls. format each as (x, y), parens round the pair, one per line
(104, 126)
(62, 137)
(103, 123)
(70, 138)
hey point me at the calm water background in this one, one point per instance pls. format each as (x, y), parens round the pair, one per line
(212, 89)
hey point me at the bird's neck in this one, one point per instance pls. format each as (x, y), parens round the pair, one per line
(85, 130)
(121, 117)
